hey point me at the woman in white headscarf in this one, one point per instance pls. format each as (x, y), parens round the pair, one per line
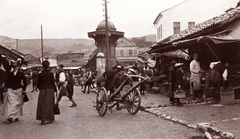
(16, 84)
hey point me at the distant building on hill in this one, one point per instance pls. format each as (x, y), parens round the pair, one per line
(32, 61)
(126, 51)
(71, 60)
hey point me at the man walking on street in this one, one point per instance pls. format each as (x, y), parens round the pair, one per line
(70, 88)
(88, 82)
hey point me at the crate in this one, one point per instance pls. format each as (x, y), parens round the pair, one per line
(237, 92)
(155, 89)
(163, 88)
(227, 97)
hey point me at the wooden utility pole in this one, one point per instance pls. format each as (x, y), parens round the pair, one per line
(107, 39)
(41, 43)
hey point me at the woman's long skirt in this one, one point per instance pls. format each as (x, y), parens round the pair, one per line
(45, 105)
(13, 104)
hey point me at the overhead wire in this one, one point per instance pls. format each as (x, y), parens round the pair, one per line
(117, 10)
(75, 24)
(126, 16)
(118, 7)
(135, 33)
(87, 17)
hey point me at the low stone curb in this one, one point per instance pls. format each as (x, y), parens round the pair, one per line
(225, 120)
(186, 103)
(209, 131)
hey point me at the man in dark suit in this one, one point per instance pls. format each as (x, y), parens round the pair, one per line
(108, 76)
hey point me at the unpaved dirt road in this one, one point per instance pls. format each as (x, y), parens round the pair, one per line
(83, 122)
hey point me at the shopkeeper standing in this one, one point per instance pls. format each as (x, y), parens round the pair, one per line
(195, 79)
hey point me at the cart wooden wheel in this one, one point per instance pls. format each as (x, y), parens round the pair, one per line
(102, 101)
(133, 101)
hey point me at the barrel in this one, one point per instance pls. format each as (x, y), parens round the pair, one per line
(227, 97)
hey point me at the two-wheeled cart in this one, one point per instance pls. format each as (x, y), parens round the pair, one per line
(131, 97)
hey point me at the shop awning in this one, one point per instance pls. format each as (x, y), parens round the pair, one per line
(183, 44)
(151, 63)
(176, 53)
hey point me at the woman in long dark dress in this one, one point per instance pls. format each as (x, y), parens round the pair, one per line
(47, 87)
(179, 82)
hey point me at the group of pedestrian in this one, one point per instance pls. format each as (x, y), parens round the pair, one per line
(85, 79)
(13, 78)
(216, 77)
(14, 83)
(48, 85)
(65, 84)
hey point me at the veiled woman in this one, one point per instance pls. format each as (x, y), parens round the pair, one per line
(16, 84)
(47, 87)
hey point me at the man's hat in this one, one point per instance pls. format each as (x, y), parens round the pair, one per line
(61, 66)
(132, 70)
(178, 65)
(14, 63)
(118, 66)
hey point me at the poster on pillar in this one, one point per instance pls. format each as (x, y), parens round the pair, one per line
(100, 66)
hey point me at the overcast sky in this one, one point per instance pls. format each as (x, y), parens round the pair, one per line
(22, 19)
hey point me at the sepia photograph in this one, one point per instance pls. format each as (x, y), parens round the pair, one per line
(119, 69)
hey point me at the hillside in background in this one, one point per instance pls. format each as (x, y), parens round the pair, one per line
(33, 46)
(55, 46)
(150, 38)
(144, 41)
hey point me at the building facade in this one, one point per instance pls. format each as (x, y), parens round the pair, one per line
(126, 51)
(187, 14)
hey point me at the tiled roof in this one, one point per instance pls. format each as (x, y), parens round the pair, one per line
(9, 53)
(71, 59)
(125, 42)
(17, 52)
(208, 24)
